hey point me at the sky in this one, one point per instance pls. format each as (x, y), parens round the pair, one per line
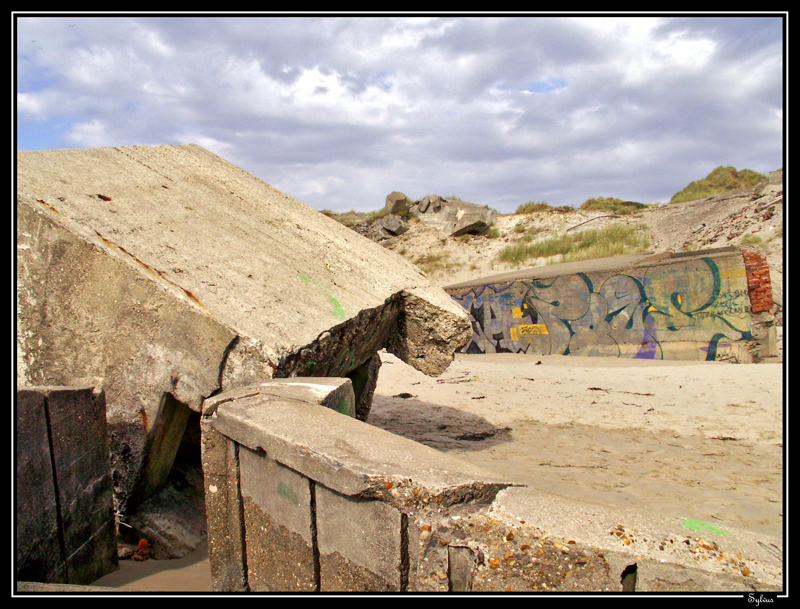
(339, 111)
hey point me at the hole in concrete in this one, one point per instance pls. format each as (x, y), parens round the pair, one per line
(161, 446)
(628, 578)
(364, 379)
(169, 503)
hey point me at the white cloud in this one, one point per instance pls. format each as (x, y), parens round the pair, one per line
(32, 104)
(340, 112)
(90, 134)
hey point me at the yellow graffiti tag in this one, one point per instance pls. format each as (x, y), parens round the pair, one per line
(516, 312)
(533, 329)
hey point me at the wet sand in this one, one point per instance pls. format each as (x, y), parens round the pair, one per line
(192, 573)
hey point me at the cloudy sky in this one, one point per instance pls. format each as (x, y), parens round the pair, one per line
(340, 111)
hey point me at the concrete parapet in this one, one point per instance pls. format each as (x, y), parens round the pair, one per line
(329, 494)
(65, 529)
(302, 498)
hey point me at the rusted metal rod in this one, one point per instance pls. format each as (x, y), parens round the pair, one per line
(582, 223)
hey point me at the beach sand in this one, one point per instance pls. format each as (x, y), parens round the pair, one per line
(700, 440)
(695, 440)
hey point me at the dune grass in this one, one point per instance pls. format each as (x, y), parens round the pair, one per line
(721, 180)
(612, 205)
(431, 263)
(610, 240)
(532, 207)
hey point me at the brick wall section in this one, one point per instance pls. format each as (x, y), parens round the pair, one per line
(759, 284)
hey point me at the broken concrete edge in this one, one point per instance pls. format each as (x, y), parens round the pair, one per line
(662, 550)
(350, 457)
(335, 393)
(426, 333)
(448, 501)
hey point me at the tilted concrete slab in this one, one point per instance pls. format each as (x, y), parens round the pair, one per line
(167, 270)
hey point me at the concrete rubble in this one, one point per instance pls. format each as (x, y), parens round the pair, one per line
(165, 275)
(451, 216)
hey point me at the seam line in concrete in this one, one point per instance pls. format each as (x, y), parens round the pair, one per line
(59, 517)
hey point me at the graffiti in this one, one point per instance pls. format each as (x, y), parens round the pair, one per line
(338, 310)
(694, 309)
(700, 525)
(533, 329)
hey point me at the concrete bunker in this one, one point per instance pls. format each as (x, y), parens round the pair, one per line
(712, 305)
(189, 277)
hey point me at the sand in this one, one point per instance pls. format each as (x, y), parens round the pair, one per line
(696, 440)
(192, 573)
(700, 440)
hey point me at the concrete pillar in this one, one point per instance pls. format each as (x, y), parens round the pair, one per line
(66, 528)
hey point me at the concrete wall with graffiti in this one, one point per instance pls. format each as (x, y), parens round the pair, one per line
(691, 306)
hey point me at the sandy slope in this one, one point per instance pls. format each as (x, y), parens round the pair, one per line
(718, 221)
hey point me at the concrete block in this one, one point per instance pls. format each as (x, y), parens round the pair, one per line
(279, 525)
(325, 497)
(346, 455)
(361, 544)
(75, 430)
(666, 554)
(39, 556)
(224, 511)
(454, 217)
(333, 393)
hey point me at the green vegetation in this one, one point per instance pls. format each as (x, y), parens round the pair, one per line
(750, 240)
(430, 263)
(610, 240)
(542, 206)
(721, 180)
(612, 205)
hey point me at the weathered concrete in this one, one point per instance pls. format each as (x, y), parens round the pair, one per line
(317, 501)
(166, 271)
(397, 202)
(36, 588)
(695, 305)
(65, 529)
(453, 217)
(299, 499)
